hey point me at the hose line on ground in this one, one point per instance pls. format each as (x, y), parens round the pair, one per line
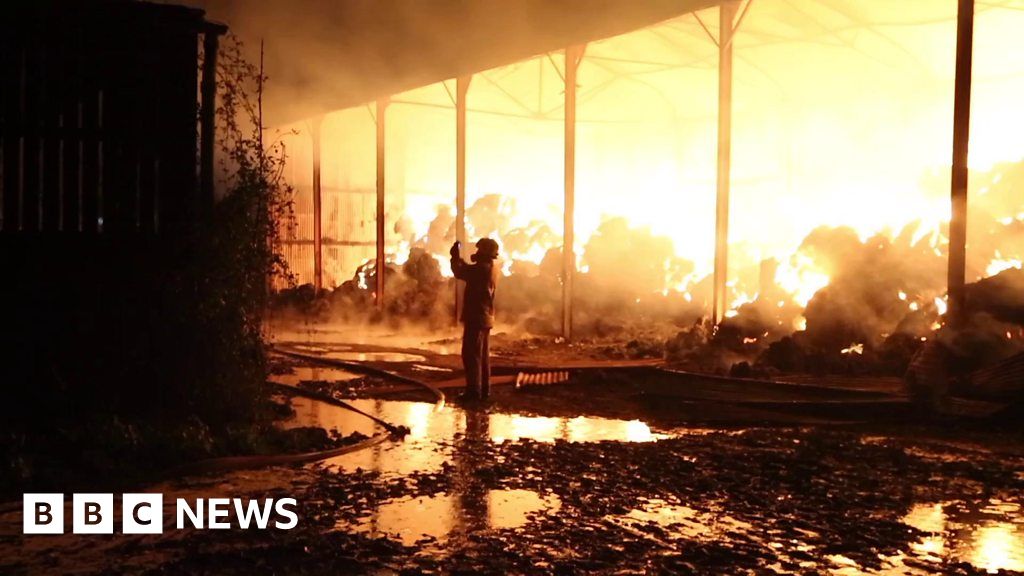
(230, 463)
(362, 369)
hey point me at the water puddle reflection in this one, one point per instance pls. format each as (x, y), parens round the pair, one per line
(313, 374)
(988, 535)
(316, 349)
(437, 518)
(374, 356)
(432, 430)
(681, 521)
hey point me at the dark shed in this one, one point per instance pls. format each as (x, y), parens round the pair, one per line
(100, 189)
(98, 110)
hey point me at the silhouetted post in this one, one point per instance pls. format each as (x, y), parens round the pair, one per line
(726, 15)
(961, 134)
(318, 262)
(207, 120)
(382, 106)
(461, 90)
(573, 57)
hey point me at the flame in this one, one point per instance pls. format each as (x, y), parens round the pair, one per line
(805, 152)
(856, 348)
(740, 299)
(999, 264)
(445, 265)
(801, 278)
(940, 305)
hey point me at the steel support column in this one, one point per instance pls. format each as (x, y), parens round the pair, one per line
(958, 187)
(382, 106)
(573, 57)
(726, 15)
(461, 90)
(318, 262)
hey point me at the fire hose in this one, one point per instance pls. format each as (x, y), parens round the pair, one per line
(363, 369)
(230, 463)
(399, 431)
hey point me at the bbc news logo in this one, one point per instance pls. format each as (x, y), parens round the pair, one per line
(144, 513)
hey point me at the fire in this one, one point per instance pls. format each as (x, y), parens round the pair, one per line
(856, 348)
(740, 299)
(806, 154)
(800, 277)
(1000, 264)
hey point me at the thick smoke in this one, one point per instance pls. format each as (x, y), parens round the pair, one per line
(325, 55)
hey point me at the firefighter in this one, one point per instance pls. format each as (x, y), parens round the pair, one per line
(477, 314)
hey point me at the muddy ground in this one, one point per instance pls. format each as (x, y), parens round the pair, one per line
(610, 473)
(789, 501)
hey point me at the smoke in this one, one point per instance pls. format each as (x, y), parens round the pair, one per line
(632, 262)
(883, 299)
(325, 55)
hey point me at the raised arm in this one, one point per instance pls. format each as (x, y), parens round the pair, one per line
(459, 266)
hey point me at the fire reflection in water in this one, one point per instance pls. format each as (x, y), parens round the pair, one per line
(988, 536)
(432, 428)
(471, 508)
(440, 517)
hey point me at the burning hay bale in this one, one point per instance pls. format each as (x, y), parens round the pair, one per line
(416, 292)
(980, 358)
(1001, 296)
(845, 302)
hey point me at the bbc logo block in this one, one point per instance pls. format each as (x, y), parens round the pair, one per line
(92, 514)
(43, 514)
(144, 513)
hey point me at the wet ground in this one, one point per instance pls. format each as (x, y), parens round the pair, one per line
(596, 494)
(553, 481)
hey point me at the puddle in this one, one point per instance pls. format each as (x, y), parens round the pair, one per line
(513, 427)
(988, 535)
(339, 336)
(429, 368)
(314, 374)
(440, 517)
(374, 356)
(682, 521)
(432, 430)
(315, 349)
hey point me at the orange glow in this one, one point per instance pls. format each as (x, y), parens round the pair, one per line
(1000, 264)
(828, 130)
